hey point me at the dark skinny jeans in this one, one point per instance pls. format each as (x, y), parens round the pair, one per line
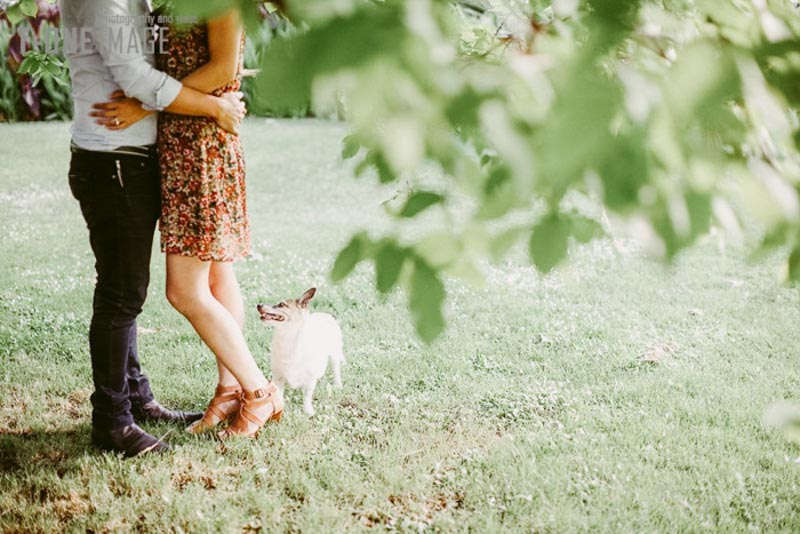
(119, 196)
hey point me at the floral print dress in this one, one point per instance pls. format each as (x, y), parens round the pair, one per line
(203, 205)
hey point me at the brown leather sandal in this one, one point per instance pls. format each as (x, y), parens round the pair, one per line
(225, 403)
(251, 412)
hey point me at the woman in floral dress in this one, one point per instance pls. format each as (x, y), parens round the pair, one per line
(204, 225)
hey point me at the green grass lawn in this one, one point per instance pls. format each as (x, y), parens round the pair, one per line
(615, 395)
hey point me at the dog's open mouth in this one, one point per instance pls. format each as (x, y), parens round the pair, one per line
(267, 315)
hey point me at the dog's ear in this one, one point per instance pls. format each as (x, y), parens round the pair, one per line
(308, 295)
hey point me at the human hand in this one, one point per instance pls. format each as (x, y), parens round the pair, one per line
(120, 112)
(231, 111)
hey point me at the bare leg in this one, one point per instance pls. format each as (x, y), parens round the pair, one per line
(225, 288)
(188, 290)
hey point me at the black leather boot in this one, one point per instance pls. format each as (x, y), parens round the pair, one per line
(153, 411)
(129, 440)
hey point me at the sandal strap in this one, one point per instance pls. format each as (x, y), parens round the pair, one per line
(236, 388)
(225, 397)
(259, 395)
(217, 412)
(254, 399)
(245, 413)
(222, 395)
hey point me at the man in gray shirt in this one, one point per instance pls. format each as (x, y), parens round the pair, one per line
(114, 175)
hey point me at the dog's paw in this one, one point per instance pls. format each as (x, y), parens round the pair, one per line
(309, 411)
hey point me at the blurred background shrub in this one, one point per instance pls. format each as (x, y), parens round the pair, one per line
(34, 85)
(269, 25)
(34, 74)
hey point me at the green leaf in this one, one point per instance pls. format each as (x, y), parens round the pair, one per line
(29, 64)
(549, 242)
(388, 263)
(60, 81)
(624, 171)
(420, 202)
(52, 68)
(476, 240)
(348, 258)
(469, 272)
(586, 104)
(498, 176)
(615, 16)
(427, 297)
(14, 14)
(364, 164)
(385, 173)
(584, 229)
(500, 194)
(736, 23)
(774, 238)
(290, 65)
(794, 265)
(375, 159)
(702, 82)
(785, 80)
(29, 7)
(439, 248)
(462, 111)
(501, 243)
(350, 146)
(662, 224)
(699, 206)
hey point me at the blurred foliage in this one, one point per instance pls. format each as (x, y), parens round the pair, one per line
(259, 38)
(10, 92)
(34, 78)
(34, 75)
(672, 115)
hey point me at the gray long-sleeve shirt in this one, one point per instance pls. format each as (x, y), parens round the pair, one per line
(109, 47)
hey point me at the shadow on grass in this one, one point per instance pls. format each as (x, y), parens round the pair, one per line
(59, 449)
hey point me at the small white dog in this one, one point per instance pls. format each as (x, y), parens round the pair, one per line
(302, 345)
